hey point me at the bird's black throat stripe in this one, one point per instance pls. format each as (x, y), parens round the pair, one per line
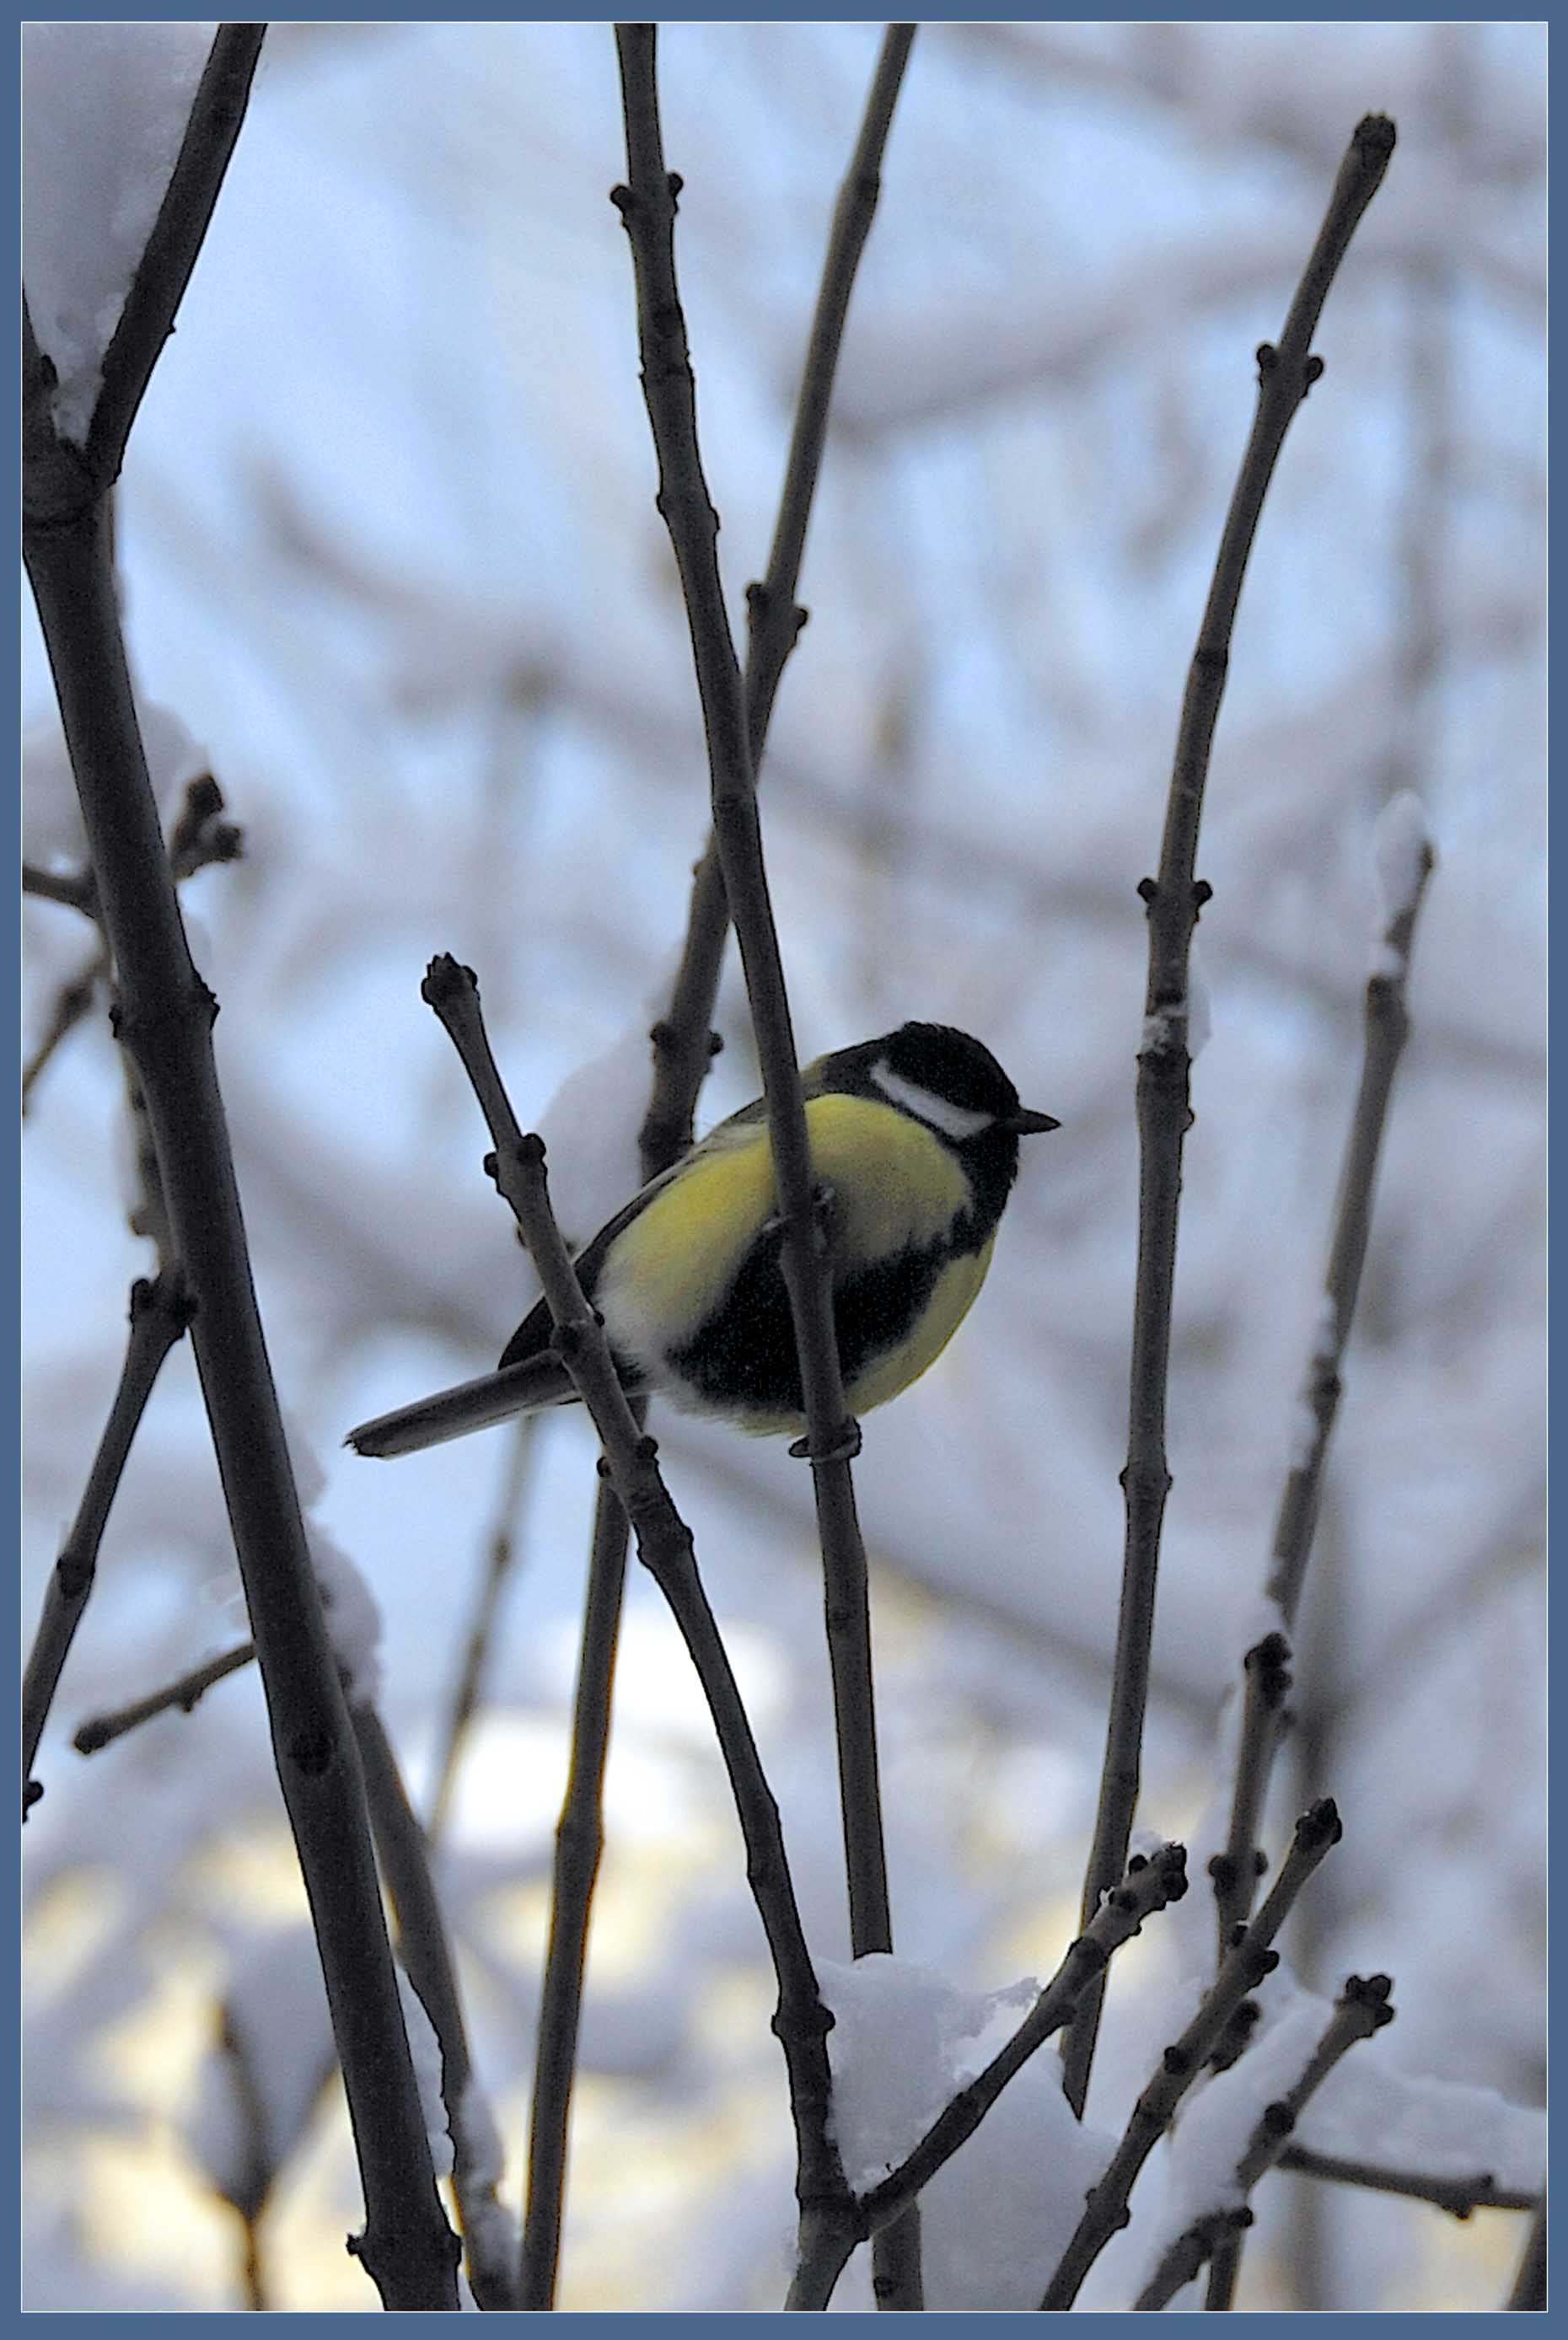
(746, 1359)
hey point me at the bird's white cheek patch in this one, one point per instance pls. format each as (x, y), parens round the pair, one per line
(955, 1121)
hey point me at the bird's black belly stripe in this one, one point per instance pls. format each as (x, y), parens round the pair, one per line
(747, 1356)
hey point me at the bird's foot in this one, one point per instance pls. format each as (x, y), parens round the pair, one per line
(842, 1447)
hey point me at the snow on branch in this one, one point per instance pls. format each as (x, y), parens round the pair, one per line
(1241, 2122)
(104, 112)
(1404, 857)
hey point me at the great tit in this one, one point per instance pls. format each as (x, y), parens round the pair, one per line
(915, 1141)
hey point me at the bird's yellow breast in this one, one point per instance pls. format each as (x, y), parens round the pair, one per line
(894, 1186)
(955, 1291)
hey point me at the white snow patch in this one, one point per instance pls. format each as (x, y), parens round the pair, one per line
(1325, 1329)
(489, 2227)
(1200, 1005)
(103, 111)
(1216, 2124)
(352, 1615)
(1373, 2111)
(1188, 1023)
(1304, 1434)
(51, 830)
(996, 2217)
(310, 1479)
(424, 2053)
(1402, 853)
(589, 1130)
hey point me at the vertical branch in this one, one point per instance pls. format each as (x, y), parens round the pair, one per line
(1387, 1026)
(579, 1847)
(1175, 899)
(404, 1852)
(647, 205)
(163, 1020)
(683, 1044)
(681, 1040)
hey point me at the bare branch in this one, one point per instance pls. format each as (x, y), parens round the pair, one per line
(1285, 376)
(647, 207)
(682, 1039)
(1247, 1963)
(163, 1020)
(426, 1956)
(160, 1314)
(1458, 2196)
(186, 1694)
(1386, 1026)
(1149, 1885)
(500, 1559)
(74, 887)
(73, 1001)
(579, 1847)
(664, 1547)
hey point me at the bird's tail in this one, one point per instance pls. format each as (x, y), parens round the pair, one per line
(538, 1381)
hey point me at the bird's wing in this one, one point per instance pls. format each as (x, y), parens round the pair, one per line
(529, 1374)
(532, 1335)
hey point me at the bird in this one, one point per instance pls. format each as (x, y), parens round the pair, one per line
(914, 1141)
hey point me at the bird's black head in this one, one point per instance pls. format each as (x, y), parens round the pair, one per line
(953, 1083)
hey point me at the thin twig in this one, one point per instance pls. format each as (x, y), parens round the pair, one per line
(160, 1314)
(1386, 1030)
(1460, 2196)
(1247, 1963)
(102, 1729)
(664, 1546)
(647, 207)
(1266, 1679)
(198, 839)
(579, 1847)
(1362, 2009)
(164, 1022)
(1285, 376)
(73, 888)
(683, 1040)
(1388, 1027)
(72, 1003)
(426, 1955)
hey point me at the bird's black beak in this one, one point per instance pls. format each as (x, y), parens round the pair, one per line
(1024, 1122)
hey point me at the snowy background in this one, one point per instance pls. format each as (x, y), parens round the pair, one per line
(390, 554)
